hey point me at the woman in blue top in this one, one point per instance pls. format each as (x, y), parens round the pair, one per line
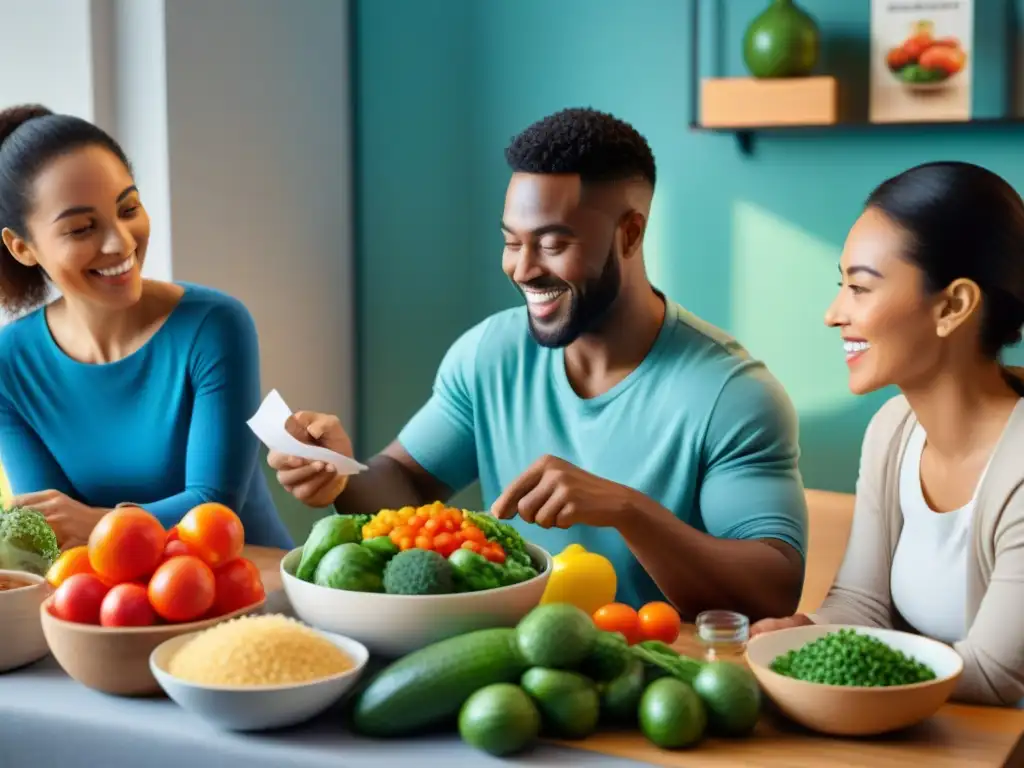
(123, 390)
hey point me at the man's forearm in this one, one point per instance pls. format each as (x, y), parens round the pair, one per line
(698, 572)
(385, 485)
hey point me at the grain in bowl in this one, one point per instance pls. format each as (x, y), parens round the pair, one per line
(258, 651)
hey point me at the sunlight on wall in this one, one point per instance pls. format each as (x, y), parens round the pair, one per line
(654, 254)
(782, 282)
(5, 488)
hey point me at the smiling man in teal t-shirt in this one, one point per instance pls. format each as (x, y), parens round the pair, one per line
(600, 413)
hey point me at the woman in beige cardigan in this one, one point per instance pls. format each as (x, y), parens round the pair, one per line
(932, 290)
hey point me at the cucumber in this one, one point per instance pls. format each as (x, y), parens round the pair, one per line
(428, 687)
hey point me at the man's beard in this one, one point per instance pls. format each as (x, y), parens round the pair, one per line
(588, 308)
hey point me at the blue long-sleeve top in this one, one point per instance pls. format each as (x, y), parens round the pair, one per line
(164, 428)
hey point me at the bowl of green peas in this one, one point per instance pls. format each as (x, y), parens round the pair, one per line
(854, 681)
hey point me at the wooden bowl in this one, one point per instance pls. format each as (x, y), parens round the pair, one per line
(115, 660)
(841, 710)
(22, 640)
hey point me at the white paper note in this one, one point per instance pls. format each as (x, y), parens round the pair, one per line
(269, 425)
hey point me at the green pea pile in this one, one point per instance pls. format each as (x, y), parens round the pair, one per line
(847, 657)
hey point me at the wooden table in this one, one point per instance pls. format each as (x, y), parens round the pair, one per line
(958, 736)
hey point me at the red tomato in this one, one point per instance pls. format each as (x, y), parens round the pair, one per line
(175, 548)
(127, 544)
(127, 605)
(79, 599)
(182, 589)
(213, 532)
(237, 585)
(660, 621)
(619, 617)
(172, 534)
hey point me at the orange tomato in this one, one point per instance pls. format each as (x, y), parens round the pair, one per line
(70, 562)
(127, 544)
(660, 621)
(213, 532)
(182, 589)
(619, 617)
(236, 585)
(916, 45)
(943, 57)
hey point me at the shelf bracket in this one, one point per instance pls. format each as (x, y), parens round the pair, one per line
(745, 141)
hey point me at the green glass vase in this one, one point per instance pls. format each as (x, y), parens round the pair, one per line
(783, 41)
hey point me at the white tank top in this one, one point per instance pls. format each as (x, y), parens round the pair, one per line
(929, 568)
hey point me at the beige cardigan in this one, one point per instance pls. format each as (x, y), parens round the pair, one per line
(993, 651)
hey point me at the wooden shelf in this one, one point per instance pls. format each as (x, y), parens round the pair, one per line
(745, 134)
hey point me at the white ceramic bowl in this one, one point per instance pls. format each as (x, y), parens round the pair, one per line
(395, 625)
(23, 641)
(237, 708)
(853, 711)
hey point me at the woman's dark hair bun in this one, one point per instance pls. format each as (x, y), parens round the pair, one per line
(12, 118)
(30, 137)
(964, 221)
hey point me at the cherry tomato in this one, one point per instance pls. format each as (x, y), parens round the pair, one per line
(127, 544)
(176, 548)
(660, 621)
(127, 605)
(236, 585)
(182, 589)
(79, 599)
(619, 617)
(213, 532)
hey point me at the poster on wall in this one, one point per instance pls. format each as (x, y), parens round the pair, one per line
(921, 60)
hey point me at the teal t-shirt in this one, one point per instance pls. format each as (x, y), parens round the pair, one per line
(699, 426)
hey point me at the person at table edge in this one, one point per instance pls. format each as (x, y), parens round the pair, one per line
(931, 292)
(122, 390)
(601, 413)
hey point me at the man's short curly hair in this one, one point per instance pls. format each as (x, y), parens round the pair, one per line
(594, 145)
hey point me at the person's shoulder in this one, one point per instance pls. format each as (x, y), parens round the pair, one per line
(22, 338)
(494, 337)
(711, 359)
(205, 311)
(888, 422)
(203, 301)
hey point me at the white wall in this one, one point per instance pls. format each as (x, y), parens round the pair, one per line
(46, 56)
(235, 114)
(258, 94)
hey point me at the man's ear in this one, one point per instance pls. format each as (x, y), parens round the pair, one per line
(19, 248)
(633, 226)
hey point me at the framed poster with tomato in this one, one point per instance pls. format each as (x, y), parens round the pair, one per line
(922, 60)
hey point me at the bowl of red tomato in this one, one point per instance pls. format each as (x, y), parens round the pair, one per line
(136, 584)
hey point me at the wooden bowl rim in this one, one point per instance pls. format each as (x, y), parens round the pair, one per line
(154, 629)
(39, 582)
(856, 689)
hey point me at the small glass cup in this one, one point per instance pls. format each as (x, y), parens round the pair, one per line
(724, 635)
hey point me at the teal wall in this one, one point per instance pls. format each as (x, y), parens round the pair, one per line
(749, 243)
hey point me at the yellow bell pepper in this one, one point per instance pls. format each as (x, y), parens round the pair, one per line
(584, 579)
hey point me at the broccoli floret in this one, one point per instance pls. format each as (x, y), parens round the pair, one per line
(27, 542)
(418, 572)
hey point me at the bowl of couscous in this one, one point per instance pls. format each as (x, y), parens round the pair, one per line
(258, 673)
